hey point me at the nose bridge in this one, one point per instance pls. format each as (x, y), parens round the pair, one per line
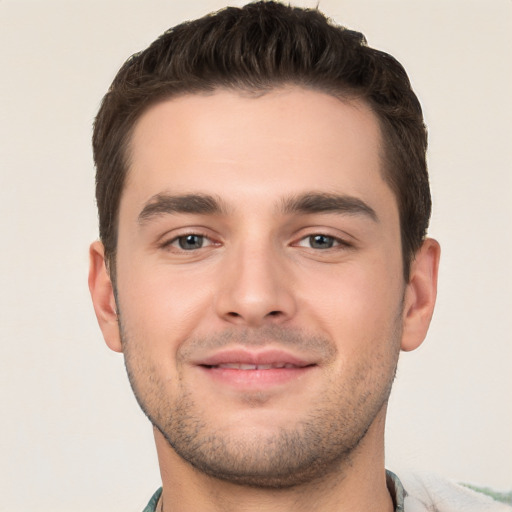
(253, 288)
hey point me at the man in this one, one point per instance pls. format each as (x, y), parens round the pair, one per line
(263, 202)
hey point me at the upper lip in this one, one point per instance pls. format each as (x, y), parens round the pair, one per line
(258, 358)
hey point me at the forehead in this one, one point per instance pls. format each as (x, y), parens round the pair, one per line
(236, 145)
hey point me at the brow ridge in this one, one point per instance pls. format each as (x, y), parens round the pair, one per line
(321, 202)
(205, 204)
(162, 204)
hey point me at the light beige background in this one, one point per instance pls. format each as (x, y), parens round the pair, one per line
(71, 435)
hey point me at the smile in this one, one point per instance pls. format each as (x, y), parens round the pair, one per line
(245, 366)
(247, 370)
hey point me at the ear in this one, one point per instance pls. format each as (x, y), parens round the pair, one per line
(420, 295)
(102, 293)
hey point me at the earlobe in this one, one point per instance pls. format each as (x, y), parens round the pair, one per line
(102, 294)
(420, 295)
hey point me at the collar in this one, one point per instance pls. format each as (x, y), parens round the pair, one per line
(396, 489)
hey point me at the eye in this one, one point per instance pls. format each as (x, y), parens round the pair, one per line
(190, 242)
(320, 241)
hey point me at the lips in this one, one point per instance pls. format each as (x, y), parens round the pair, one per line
(245, 366)
(249, 370)
(267, 359)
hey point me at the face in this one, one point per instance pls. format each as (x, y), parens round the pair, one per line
(259, 281)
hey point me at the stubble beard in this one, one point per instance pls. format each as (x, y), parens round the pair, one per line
(324, 442)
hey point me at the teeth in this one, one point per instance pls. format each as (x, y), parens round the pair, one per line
(243, 366)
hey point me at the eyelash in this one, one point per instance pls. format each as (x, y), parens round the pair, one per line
(334, 242)
(176, 240)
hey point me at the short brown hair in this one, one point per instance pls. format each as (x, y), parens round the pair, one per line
(259, 47)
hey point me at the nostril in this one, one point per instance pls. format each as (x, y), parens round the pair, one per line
(254, 317)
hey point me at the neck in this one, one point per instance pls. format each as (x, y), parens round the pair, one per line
(355, 485)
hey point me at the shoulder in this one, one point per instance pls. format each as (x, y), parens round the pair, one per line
(426, 492)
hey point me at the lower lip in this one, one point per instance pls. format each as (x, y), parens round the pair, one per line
(256, 379)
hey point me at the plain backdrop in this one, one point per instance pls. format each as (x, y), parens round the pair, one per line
(71, 434)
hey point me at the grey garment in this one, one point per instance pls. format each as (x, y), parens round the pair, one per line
(396, 489)
(394, 485)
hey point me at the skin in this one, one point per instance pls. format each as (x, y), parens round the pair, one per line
(263, 272)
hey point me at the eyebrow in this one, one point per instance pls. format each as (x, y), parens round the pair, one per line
(204, 204)
(162, 204)
(328, 203)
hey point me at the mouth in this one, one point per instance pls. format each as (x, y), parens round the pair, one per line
(255, 370)
(248, 366)
(243, 359)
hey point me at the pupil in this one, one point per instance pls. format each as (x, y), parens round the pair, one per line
(321, 241)
(191, 242)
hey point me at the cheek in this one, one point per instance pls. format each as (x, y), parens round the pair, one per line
(355, 305)
(159, 305)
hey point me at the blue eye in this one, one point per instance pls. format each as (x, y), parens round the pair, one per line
(321, 241)
(190, 242)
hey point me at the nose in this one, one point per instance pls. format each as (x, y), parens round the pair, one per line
(255, 288)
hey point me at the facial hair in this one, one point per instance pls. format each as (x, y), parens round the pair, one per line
(321, 442)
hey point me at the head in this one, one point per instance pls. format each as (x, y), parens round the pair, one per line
(255, 49)
(262, 194)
